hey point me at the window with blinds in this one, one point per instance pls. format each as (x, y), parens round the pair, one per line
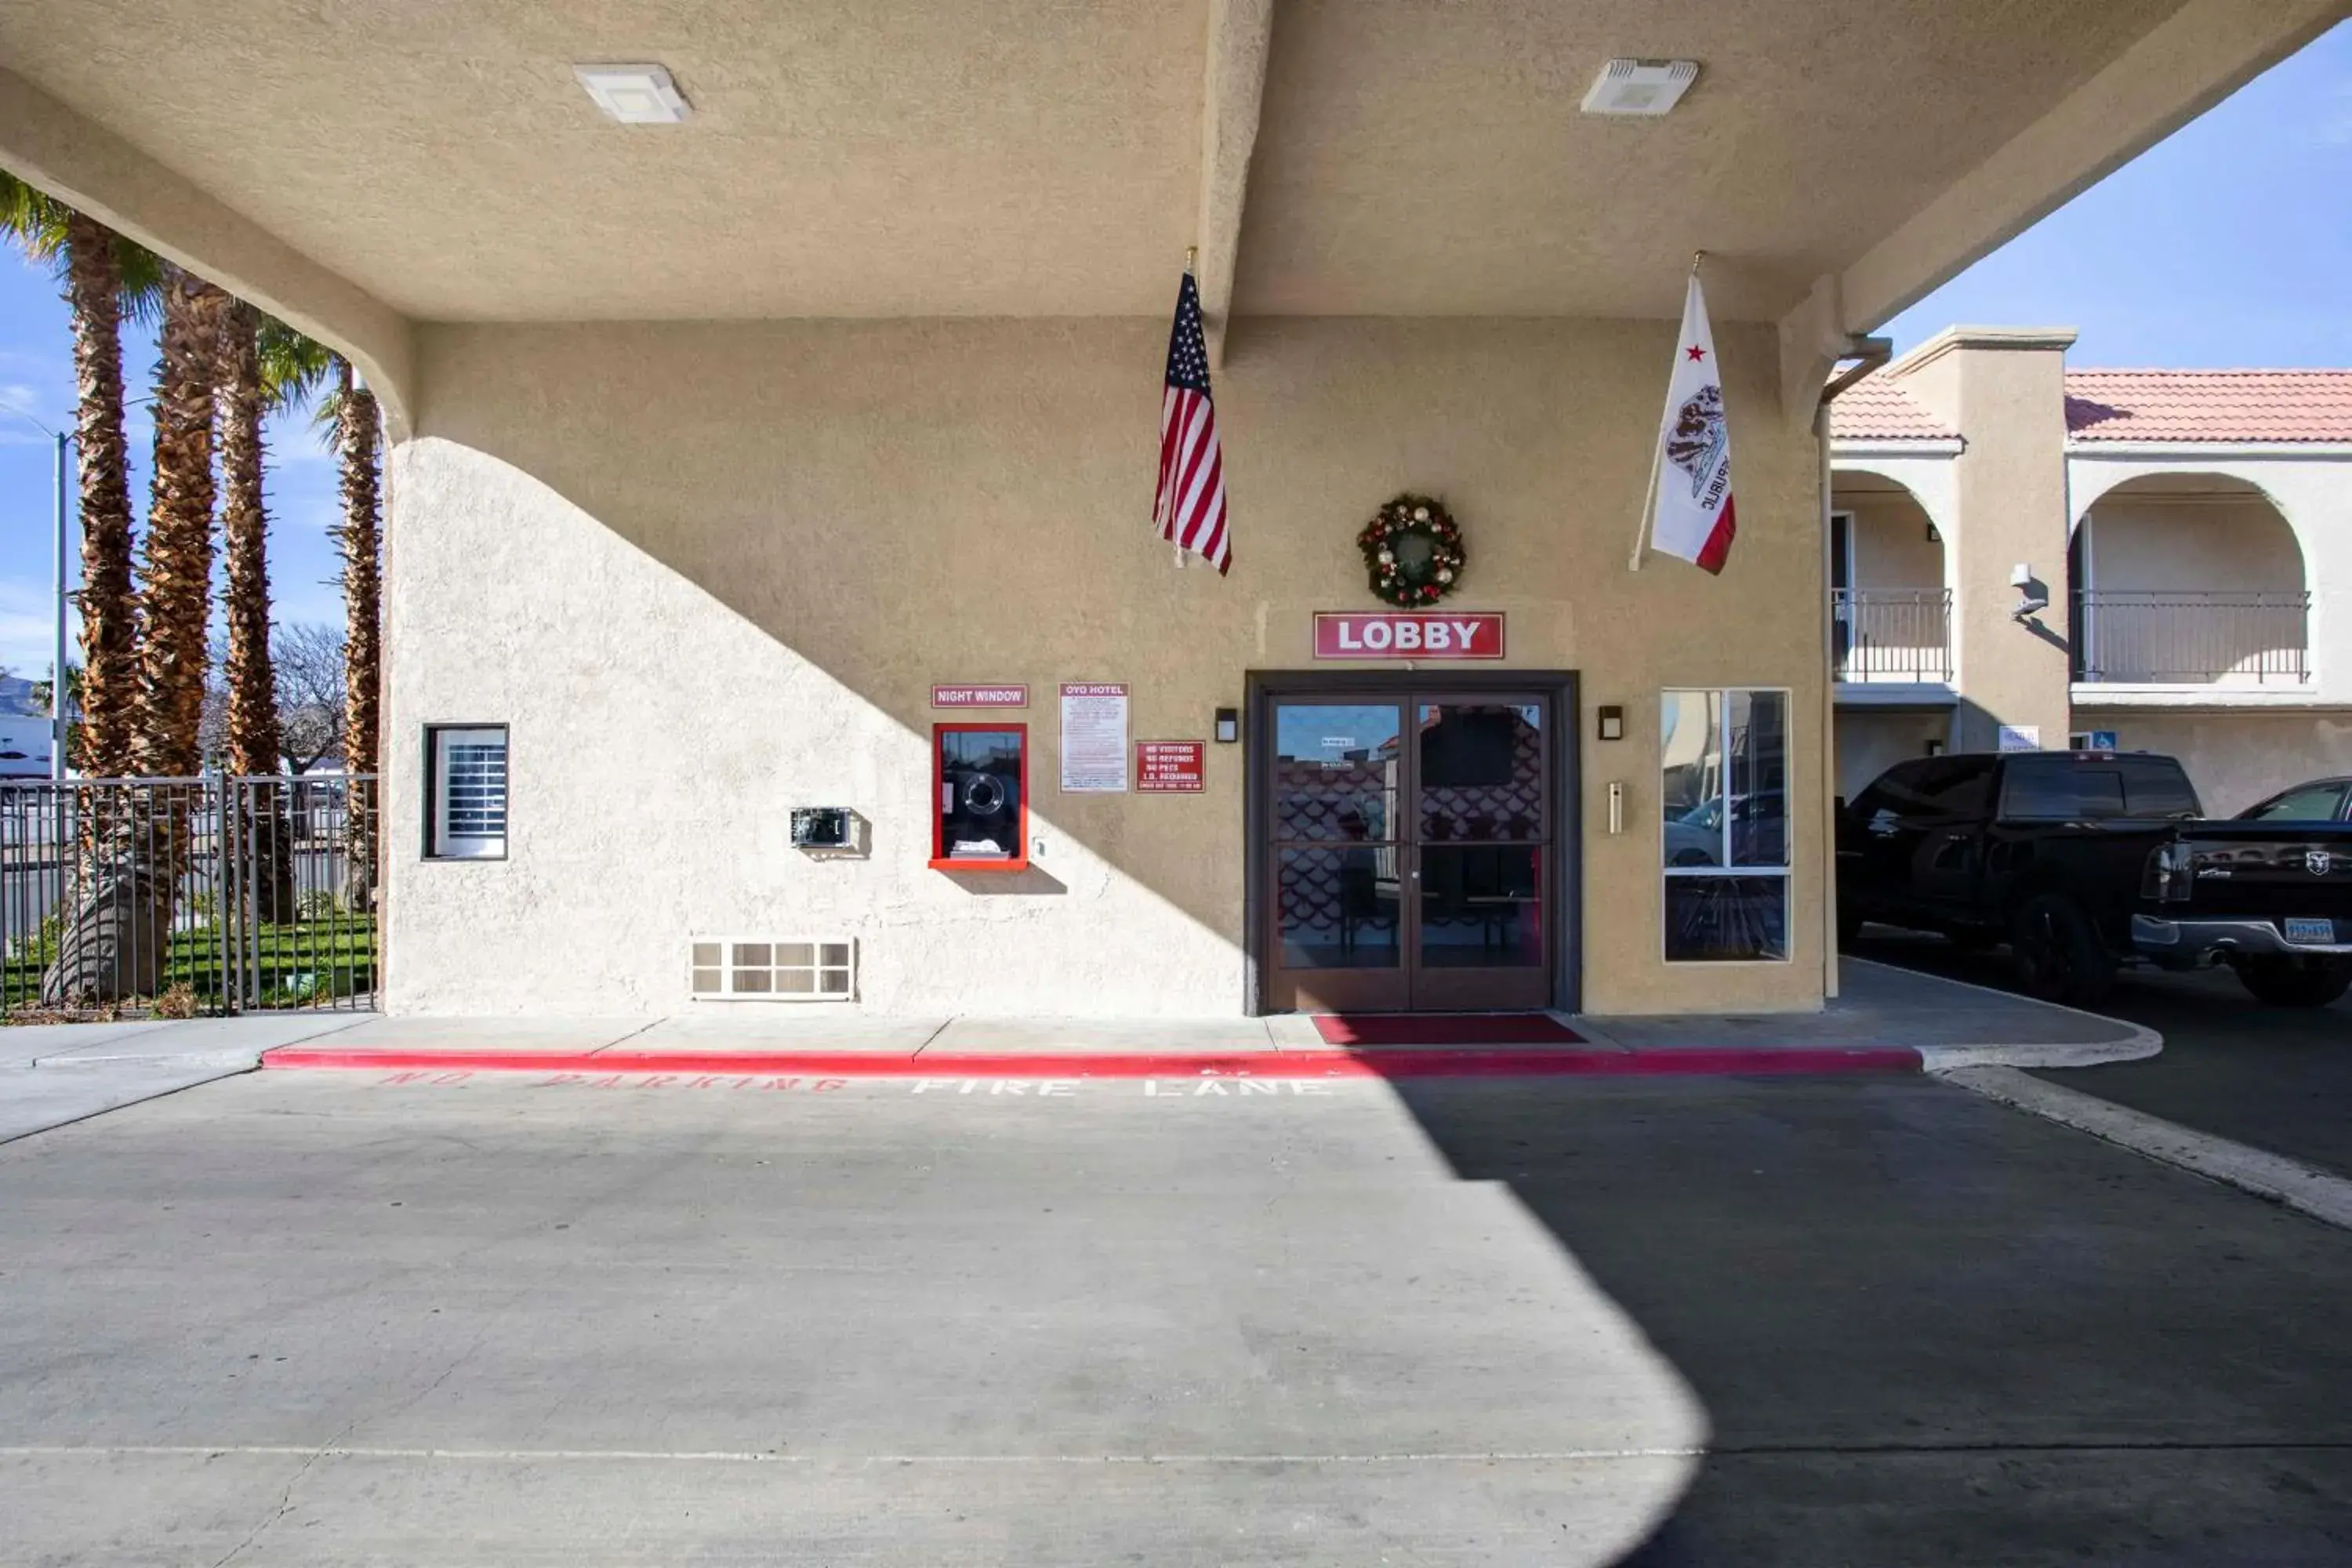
(466, 778)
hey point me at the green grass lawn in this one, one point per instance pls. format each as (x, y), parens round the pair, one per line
(300, 963)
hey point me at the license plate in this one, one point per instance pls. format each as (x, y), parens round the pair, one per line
(2311, 931)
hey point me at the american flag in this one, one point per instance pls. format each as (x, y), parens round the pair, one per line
(1190, 506)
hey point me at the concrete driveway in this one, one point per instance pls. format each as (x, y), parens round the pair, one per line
(2278, 1078)
(319, 1319)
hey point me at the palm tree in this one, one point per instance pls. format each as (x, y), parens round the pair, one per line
(360, 543)
(295, 369)
(106, 277)
(252, 742)
(102, 954)
(176, 586)
(115, 943)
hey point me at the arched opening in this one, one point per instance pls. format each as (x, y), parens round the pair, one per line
(1890, 626)
(1890, 604)
(2188, 579)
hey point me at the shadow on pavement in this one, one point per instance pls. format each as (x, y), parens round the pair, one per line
(1928, 1330)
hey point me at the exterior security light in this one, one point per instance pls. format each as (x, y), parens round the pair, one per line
(1640, 87)
(634, 95)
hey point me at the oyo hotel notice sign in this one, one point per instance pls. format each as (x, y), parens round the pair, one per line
(1409, 634)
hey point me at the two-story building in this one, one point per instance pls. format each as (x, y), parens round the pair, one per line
(2027, 554)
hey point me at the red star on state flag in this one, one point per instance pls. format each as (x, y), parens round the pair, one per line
(1695, 351)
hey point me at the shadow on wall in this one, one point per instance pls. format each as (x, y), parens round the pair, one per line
(903, 503)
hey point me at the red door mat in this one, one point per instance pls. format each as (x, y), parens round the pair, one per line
(1443, 1029)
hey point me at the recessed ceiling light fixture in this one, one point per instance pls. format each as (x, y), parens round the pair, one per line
(634, 95)
(1640, 87)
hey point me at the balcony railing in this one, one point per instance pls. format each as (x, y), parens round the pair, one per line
(2191, 636)
(1892, 635)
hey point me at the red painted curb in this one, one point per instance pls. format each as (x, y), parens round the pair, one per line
(1285, 1065)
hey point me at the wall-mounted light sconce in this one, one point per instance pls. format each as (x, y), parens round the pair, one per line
(1934, 534)
(1613, 723)
(1228, 725)
(2032, 595)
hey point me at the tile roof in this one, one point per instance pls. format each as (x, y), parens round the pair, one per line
(2209, 405)
(1877, 409)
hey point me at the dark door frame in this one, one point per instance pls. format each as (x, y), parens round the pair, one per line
(1565, 938)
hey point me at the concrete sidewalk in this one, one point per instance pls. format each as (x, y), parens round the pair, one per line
(1889, 1019)
(1950, 1022)
(54, 1074)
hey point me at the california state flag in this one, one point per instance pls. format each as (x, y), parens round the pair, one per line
(1694, 516)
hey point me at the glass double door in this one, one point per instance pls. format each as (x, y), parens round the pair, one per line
(1409, 855)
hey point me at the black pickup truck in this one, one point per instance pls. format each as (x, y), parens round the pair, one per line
(2085, 860)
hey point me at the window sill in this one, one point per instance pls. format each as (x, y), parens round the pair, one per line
(1019, 864)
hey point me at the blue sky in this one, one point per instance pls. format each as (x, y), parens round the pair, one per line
(2228, 245)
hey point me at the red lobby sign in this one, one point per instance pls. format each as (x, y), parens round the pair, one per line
(980, 697)
(1170, 767)
(1411, 633)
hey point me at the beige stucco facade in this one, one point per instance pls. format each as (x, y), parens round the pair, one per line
(2206, 575)
(715, 444)
(708, 575)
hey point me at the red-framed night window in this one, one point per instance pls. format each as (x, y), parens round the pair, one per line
(980, 797)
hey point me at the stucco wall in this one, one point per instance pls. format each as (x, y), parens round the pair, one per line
(1890, 547)
(2238, 759)
(708, 573)
(2005, 389)
(1869, 743)
(2194, 542)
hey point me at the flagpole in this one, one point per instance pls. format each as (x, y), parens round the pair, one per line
(1657, 450)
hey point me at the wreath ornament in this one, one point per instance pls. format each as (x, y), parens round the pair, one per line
(1412, 552)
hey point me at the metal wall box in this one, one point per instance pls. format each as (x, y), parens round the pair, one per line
(820, 828)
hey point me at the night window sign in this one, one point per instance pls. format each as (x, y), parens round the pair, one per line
(980, 797)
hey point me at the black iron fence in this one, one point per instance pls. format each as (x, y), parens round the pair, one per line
(1892, 634)
(2168, 636)
(190, 895)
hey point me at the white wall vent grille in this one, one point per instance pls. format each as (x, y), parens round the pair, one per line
(771, 969)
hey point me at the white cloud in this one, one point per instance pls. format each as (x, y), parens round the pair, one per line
(19, 398)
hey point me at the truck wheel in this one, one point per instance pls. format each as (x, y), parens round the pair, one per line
(2283, 983)
(2058, 952)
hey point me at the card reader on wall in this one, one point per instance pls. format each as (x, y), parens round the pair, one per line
(820, 828)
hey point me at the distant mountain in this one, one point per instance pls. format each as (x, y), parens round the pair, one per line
(17, 698)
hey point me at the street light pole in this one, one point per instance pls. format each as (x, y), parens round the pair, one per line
(58, 709)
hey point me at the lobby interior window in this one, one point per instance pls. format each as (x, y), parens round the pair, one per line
(466, 780)
(1725, 763)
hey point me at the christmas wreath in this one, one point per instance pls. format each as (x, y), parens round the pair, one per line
(1413, 550)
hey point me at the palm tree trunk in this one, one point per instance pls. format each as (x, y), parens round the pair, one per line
(117, 943)
(175, 592)
(252, 740)
(109, 678)
(103, 954)
(360, 543)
